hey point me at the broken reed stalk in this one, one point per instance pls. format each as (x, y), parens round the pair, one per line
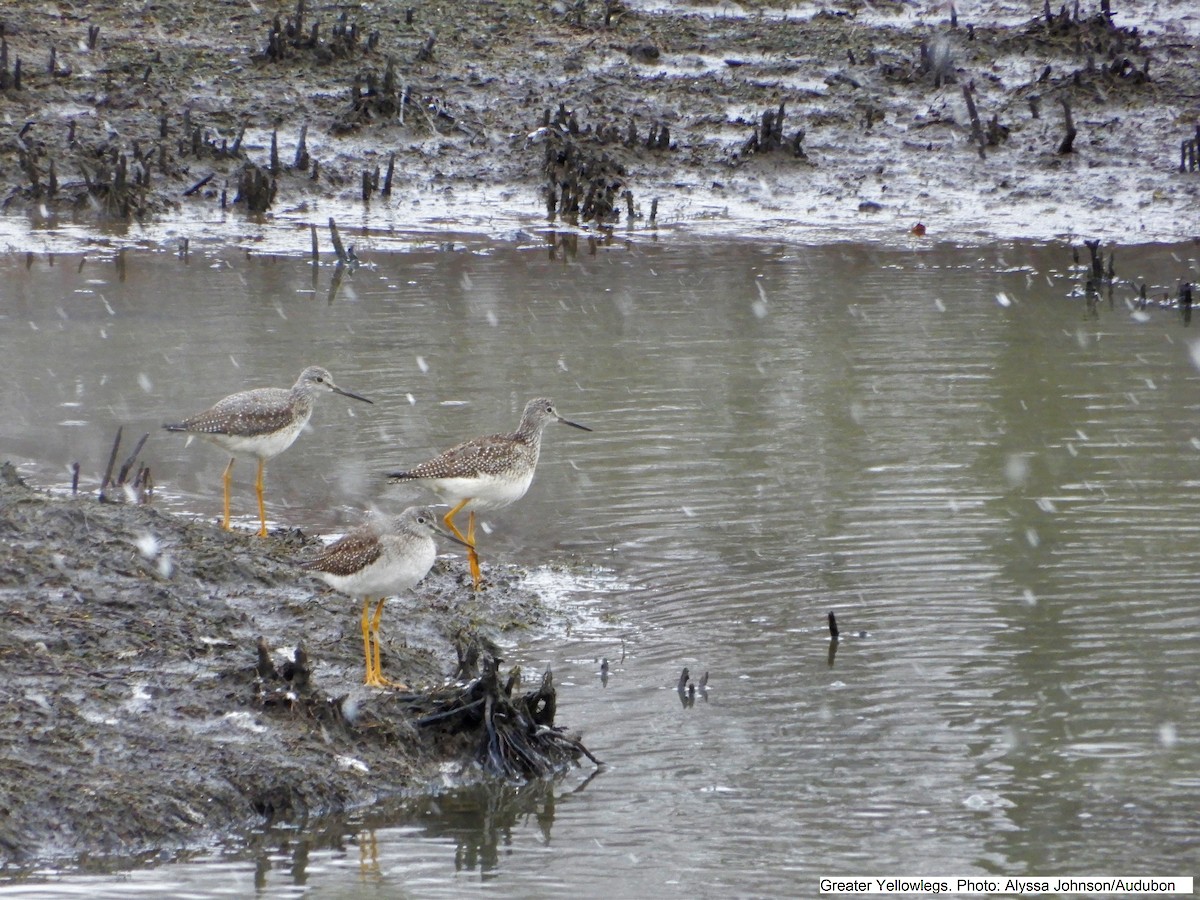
(128, 464)
(687, 688)
(976, 128)
(316, 257)
(425, 53)
(1189, 151)
(112, 460)
(1097, 258)
(302, 159)
(387, 179)
(265, 667)
(1068, 140)
(337, 241)
(256, 188)
(297, 671)
(144, 485)
(199, 184)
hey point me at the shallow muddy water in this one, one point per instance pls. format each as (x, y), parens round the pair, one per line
(951, 448)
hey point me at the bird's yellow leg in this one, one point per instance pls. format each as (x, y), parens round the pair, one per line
(227, 478)
(368, 855)
(472, 556)
(472, 559)
(375, 620)
(380, 681)
(262, 510)
(366, 630)
(448, 518)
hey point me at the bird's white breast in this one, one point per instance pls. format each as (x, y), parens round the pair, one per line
(263, 446)
(391, 573)
(486, 491)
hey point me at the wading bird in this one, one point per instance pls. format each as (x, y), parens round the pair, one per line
(486, 472)
(261, 423)
(380, 559)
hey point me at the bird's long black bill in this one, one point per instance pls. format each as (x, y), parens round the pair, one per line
(573, 424)
(351, 395)
(449, 536)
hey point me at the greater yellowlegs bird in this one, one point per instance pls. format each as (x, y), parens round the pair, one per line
(379, 559)
(261, 423)
(487, 472)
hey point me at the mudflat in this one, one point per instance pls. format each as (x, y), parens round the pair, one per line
(840, 120)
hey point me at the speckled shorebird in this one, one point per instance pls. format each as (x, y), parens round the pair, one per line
(261, 423)
(379, 559)
(487, 472)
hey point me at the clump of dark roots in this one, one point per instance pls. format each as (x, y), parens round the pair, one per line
(514, 735)
(479, 718)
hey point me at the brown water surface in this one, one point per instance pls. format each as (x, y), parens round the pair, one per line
(950, 447)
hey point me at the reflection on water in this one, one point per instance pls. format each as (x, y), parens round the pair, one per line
(962, 452)
(472, 829)
(456, 838)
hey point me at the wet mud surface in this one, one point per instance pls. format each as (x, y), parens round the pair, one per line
(208, 120)
(138, 720)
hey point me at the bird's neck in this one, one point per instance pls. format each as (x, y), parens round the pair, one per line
(531, 438)
(303, 396)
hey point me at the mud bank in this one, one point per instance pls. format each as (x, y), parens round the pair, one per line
(138, 721)
(249, 123)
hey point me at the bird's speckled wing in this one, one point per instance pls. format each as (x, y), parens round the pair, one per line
(247, 414)
(489, 455)
(349, 555)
